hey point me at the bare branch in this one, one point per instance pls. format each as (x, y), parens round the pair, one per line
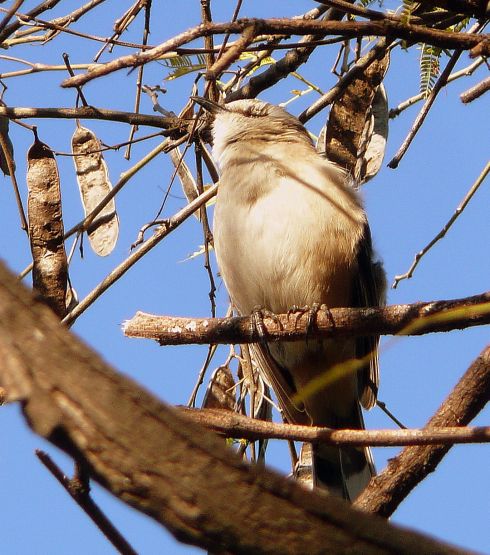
(475, 92)
(232, 424)
(414, 319)
(40, 8)
(387, 490)
(80, 493)
(464, 41)
(170, 224)
(421, 96)
(419, 120)
(90, 112)
(462, 205)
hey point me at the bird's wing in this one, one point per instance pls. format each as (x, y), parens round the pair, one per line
(369, 290)
(280, 380)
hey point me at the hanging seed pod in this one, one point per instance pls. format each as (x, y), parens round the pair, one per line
(220, 393)
(350, 123)
(93, 182)
(373, 142)
(50, 268)
(5, 143)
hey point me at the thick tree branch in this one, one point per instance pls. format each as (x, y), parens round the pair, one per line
(387, 490)
(238, 426)
(162, 464)
(385, 28)
(412, 319)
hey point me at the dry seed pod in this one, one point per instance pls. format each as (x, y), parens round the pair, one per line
(94, 185)
(373, 143)
(4, 131)
(220, 393)
(344, 141)
(50, 268)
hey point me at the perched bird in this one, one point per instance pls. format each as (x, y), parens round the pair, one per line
(290, 230)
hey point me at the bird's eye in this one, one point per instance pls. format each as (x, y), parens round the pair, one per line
(254, 112)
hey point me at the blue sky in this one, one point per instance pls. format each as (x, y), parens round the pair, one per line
(406, 208)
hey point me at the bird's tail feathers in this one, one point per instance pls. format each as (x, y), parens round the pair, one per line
(341, 471)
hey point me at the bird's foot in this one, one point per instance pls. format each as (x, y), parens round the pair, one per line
(312, 312)
(258, 315)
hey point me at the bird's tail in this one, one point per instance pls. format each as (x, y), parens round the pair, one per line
(342, 471)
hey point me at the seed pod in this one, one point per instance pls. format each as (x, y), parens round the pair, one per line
(220, 393)
(50, 268)
(5, 142)
(350, 124)
(373, 141)
(93, 182)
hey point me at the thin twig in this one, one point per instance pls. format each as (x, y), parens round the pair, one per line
(465, 72)
(63, 21)
(419, 120)
(171, 224)
(440, 83)
(139, 79)
(11, 167)
(80, 493)
(462, 205)
(66, 59)
(208, 236)
(354, 9)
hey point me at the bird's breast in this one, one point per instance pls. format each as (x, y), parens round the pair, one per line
(281, 241)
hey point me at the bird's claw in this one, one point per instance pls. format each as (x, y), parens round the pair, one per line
(258, 315)
(312, 312)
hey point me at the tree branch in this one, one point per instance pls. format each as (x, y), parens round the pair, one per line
(89, 112)
(162, 464)
(80, 493)
(386, 28)
(412, 319)
(476, 91)
(162, 231)
(232, 424)
(387, 490)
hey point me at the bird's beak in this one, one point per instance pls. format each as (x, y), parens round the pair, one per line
(209, 105)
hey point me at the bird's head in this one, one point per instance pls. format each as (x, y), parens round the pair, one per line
(251, 120)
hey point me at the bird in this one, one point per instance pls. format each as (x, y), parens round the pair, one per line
(289, 231)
